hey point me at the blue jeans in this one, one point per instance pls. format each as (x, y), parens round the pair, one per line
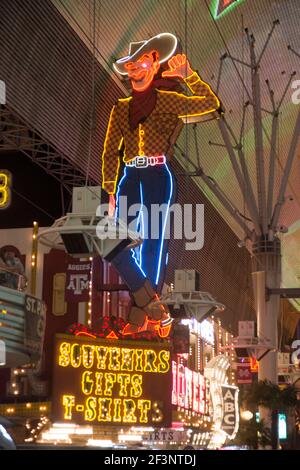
(145, 187)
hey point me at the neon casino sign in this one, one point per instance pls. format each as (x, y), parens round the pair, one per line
(5, 191)
(220, 7)
(190, 390)
(205, 329)
(100, 383)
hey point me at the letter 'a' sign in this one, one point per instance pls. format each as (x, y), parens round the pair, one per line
(112, 382)
(222, 6)
(77, 282)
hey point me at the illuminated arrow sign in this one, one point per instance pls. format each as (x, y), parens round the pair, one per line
(223, 6)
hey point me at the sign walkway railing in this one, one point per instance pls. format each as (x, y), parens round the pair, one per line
(12, 280)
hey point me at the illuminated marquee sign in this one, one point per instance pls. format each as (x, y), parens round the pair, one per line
(230, 421)
(189, 389)
(5, 191)
(254, 364)
(101, 382)
(205, 329)
(223, 6)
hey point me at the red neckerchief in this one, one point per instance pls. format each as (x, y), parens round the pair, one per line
(143, 102)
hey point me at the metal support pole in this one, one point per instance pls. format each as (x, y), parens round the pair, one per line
(267, 272)
(232, 156)
(258, 134)
(286, 174)
(294, 52)
(219, 75)
(249, 191)
(239, 176)
(272, 165)
(228, 205)
(213, 186)
(275, 23)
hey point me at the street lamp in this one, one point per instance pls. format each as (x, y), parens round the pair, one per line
(246, 415)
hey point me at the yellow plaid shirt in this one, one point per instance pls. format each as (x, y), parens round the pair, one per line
(152, 137)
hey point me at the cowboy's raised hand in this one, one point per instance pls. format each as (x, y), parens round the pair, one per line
(179, 66)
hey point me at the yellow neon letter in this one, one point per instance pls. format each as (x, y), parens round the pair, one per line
(90, 411)
(68, 402)
(117, 410)
(123, 380)
(98, 387)
(64, 355)
(87, 383)
(164, 361)
(129, 411)
(114, 359)
(87, 356)
(109, 380)
(75, 355)
(139, 360)
(144, 406)
(4, 190)
(127, 359)
(104, 409)
(136, 389)
(150, 358)
(101, 352)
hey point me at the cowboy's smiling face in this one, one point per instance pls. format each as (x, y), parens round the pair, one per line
(142, 71)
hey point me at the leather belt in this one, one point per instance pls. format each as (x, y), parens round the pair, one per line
(144, 162)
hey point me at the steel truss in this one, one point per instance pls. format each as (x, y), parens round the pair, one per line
(15, 135)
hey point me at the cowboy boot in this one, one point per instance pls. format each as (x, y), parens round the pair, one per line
(137, 321)
(147, 299)
(147, 314)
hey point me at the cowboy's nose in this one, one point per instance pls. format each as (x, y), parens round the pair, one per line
(131, 66)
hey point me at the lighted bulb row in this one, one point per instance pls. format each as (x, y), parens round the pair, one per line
(34, 257)
(12, 410)
(34, 245)
(232, 359)
(90, 294)
(14, 384)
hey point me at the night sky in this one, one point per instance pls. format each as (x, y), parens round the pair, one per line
(29, 183)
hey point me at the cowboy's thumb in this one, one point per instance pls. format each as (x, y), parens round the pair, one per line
(169, 73)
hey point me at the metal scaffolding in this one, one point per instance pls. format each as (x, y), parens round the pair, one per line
(15, 135)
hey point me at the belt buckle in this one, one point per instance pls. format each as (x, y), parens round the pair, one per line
(141, 162)
(160, 160)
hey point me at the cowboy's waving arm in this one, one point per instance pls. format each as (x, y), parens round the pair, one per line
(110, 156)
(204, 100)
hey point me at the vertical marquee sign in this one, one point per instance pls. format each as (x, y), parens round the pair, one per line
(230, 421)
(112, 382)
(190, 390)
(223, 6)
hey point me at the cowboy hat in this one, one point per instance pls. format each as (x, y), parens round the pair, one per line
(165, 44)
